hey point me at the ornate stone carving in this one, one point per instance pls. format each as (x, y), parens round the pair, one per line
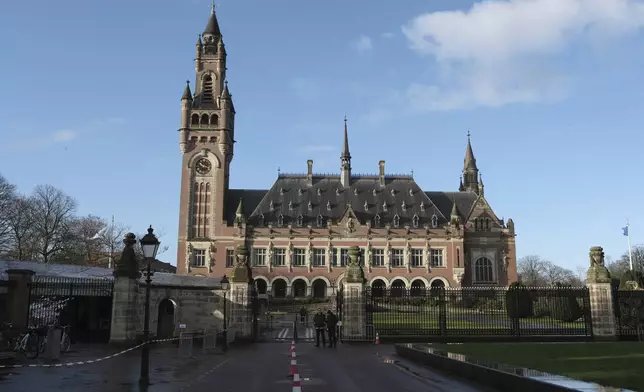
(597, 273)
(127, 266)
(189, 252)
(351, 225)
(241, 273)
(354, 272)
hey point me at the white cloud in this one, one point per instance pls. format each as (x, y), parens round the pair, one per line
(63, 136)
(501, 52)
(363, 44)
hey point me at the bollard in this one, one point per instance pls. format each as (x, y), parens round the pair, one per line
(52, 349)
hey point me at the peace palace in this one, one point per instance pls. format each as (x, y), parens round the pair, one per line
(300, 229)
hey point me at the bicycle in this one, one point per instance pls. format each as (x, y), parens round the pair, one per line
(65, 340)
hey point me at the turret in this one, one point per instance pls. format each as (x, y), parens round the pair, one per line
(186, 106)
(345, 159)
(470, 171)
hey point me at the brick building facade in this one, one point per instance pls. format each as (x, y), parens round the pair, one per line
(299, 230)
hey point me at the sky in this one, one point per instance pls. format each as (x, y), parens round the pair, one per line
(551, 91)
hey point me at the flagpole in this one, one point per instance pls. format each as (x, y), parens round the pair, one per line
(109, 260)
(630, 253)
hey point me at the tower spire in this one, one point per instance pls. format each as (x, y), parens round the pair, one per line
(212, 28)
(470, 170)
(345, 158)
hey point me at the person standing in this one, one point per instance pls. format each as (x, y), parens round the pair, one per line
(302, 314)
(319, 322)
(331, 324)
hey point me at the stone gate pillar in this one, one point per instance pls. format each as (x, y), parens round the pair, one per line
(18, 298)
(354, 307)
(125, 304)
(601, 295)
(239, 299)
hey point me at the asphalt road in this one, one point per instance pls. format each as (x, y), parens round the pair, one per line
(365, 368)
(262, 367)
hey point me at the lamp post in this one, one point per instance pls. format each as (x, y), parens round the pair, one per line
(149, 246)
(224, 286)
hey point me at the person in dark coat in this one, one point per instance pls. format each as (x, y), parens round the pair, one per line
(302, 314)
(319, 322)
(331, 324)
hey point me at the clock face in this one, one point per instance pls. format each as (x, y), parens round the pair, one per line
(203, 166)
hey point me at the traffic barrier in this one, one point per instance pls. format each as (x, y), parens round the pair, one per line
(297, 383)
(293, 367)
(377, 338)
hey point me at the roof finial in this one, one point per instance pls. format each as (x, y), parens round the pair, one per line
(278, 171)
(188, 82)
(412, 173)
(213, 6)
(468, 135)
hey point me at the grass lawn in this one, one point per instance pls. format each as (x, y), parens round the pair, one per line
(616, 364)
(394, 320)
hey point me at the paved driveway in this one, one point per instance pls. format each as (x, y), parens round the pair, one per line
(260, 367)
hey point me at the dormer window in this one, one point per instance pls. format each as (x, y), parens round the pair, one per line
(280, 220)
(411, 192)
(328, 206)
(300, 192)
(290, 206)
(355, 191)
(384, 206)
(434, 221)
(300, 220)
(375, 192)
(260, 221)
(319, 191)
(366, 205)
(319, 221)
(414, 221)
(376, 221)
(422, 206)
(404, 206)
(393, 192)
(310, 206)
(282, 190)
(271, 206)
(396, 220)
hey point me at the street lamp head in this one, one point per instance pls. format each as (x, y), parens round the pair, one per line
(225, 283)
(150, 244)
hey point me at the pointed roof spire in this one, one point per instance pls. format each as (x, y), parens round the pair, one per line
(187, 94)
(212, 28)
(226, 93)
(481, 188)
(345, 149)
(455, 217)
(239, 214)
(461, 187)
(469, 161)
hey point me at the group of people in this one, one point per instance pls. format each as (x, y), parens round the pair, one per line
(324, 324)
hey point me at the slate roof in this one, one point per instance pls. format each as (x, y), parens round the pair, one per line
(78, 271)
(290, 196)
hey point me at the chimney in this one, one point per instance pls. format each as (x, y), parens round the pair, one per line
(381, 166)
(309, 172)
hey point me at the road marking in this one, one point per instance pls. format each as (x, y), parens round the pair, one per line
(205, 374)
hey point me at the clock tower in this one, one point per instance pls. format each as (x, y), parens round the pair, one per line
(206, 138)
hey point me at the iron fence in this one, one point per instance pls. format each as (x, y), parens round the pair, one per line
(629, 314)
(479, 311)
(85, 304)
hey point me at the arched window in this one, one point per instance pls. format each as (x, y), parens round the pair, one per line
(415, 220)
(260, 221)
(319, 221)
(434, 221)
(376, 221)
(214, 120)
(205, 120)
(396, 220)
(280, 220)
(300, 220)
(483, 272)
(195, 119)
(207, 89)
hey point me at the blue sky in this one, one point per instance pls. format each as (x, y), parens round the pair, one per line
(550, 89)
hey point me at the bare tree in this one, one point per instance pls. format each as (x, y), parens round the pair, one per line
(581, 273)
(532, 269)
(20, 218)
(637, 252)
(83, 242)
(110, 239)
(557, 274)
(7, 195)
(52, 213)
